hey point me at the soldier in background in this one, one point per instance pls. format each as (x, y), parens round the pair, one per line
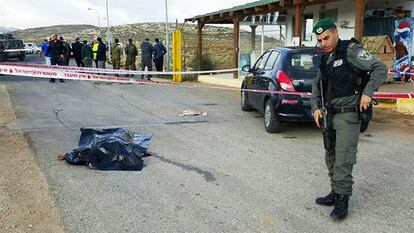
(131, 53)
(67, 51)
(87, 54)
(116, 52)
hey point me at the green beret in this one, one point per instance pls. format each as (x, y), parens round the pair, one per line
(322, 25)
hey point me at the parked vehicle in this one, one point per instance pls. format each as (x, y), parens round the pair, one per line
(287, 69)
(31, 48)
(11, 47)
(27, 48)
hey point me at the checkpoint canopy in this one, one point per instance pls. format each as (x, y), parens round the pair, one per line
(267, 12)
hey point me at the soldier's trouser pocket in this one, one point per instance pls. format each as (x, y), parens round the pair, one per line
(347, 135)
(350, 154)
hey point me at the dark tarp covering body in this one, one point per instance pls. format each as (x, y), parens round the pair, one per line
(110, 149)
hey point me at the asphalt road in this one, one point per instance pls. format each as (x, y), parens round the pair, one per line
(219, 173)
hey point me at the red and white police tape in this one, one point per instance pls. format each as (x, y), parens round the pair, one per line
(112, 71)
(89, 74)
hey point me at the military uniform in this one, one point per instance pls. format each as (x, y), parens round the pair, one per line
(116, 53)
(131, 53)
(87, 54)
(67, 53)
(341, 71)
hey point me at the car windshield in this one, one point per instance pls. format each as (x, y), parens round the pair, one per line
(303, 64)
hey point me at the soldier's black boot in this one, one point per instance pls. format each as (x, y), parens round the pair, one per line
(328, 200)
(341, 207)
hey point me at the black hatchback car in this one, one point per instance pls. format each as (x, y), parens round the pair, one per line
(280, 83)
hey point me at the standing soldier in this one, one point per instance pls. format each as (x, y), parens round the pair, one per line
(87, 54)
(67, 51)
(116, 53)
(348, 76)
(131, 53)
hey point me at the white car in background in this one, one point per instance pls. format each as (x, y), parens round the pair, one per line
(31, 48)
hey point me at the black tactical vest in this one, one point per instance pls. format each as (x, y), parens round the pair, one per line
(340, 78)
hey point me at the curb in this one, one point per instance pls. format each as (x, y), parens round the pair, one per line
(404, 105)
(217, 80)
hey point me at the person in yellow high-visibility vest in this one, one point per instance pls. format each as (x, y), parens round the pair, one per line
(95, 52)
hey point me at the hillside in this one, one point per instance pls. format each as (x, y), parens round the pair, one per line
(38, 34)
(217, 41)
(5, 30)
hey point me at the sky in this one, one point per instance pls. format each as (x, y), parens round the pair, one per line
(24, 14)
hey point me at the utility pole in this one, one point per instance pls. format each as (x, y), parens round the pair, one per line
(108, 32)
(167, 43)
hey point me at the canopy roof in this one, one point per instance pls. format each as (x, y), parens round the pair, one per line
(225, 15)
(254, 8)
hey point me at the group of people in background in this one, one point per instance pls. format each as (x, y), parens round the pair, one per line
(149, 53)
(59, 52)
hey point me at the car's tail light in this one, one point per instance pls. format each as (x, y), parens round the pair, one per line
(284, 81)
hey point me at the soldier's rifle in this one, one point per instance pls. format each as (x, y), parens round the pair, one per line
(328, 131)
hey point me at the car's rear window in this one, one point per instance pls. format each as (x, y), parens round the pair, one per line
(303, 64)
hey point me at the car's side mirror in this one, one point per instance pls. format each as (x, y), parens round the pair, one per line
(246, 68)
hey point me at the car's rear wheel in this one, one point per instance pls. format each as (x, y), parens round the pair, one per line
(244, 102)
(21, 57)
(271, 118)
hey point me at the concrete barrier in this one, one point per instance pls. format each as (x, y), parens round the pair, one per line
(406, 105)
